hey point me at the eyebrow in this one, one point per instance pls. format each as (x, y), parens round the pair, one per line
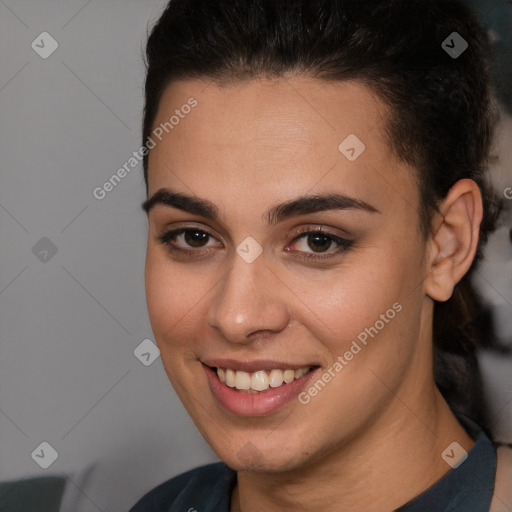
(302, 205)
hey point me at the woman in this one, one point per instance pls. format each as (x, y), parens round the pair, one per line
(317, 200)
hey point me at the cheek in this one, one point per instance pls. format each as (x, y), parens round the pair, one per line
(368, 316)
(173, 299)
(347, 300)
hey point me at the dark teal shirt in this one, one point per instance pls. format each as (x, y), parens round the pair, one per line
(467, 488)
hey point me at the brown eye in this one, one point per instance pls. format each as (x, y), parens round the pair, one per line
(318, 242)
(312, 244)
(195, 238)
(183, 238)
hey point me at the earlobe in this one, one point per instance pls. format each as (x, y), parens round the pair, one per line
(454, 240)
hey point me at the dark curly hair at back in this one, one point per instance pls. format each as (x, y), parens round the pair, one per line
(441, 117)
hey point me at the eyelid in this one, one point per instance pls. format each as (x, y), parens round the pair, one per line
(185, 226)
(316, 228)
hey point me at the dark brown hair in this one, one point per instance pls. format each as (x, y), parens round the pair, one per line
(442, 113)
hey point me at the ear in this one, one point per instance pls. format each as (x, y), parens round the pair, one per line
(454, 239)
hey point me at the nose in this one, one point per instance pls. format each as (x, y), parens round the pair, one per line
(249, 302)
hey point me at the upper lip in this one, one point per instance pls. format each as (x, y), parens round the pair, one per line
(253, 366)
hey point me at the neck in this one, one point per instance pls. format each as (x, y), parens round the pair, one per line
(394, 460)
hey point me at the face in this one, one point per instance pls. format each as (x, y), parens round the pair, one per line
(248, 284)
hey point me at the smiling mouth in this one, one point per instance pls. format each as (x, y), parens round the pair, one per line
(261, 380)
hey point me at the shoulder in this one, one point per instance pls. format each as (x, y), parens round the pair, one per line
(502, 498)
(188, 489)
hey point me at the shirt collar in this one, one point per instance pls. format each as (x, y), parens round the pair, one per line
(468, 487)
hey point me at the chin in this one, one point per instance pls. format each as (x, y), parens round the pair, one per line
(258, 455)
(256, 462)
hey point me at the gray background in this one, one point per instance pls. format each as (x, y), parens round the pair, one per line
(69, 325)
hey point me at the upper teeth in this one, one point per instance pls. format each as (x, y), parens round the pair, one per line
(260, 380)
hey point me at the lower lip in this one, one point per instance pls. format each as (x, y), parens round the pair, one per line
(255, 404)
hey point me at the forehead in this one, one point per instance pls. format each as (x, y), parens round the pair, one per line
(289, 135)
(298, 110)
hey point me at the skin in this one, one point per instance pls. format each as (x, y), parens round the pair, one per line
(246, 148)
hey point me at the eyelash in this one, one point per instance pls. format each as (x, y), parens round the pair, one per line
(344, 244)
